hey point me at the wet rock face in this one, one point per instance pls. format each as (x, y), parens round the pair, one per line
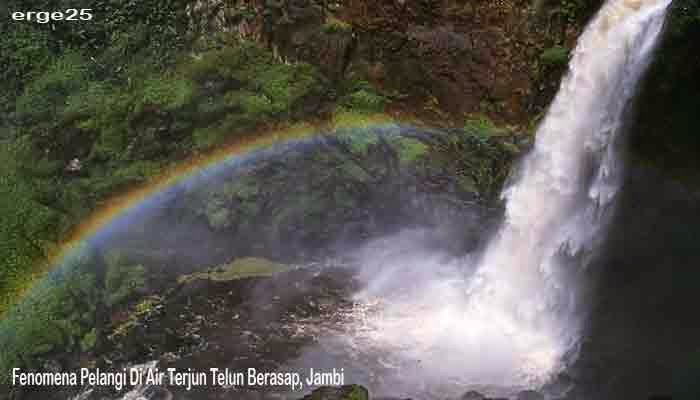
(664, 126)
(646, 294)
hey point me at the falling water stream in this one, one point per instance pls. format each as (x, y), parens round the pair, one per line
(522, 296)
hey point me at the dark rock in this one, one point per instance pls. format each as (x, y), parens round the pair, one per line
(472, 395)
(530, 395)
(348, 392)
(664, 132)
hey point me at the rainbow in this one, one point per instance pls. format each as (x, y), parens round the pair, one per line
(112, 210)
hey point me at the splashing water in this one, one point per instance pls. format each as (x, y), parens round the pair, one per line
(518, 316)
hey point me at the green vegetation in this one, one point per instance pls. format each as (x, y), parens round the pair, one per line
(122, 279)
(481, 156)
(56, 315)
(137, 97)
(70, 93)
(142, 310)
(62, 312)
(555, 56)
(410, 150)
(358, 140)
(361, 97)
(238, 269)
(481, 128)
(28, 226)
(123, 127)
(335, 25)
(145, 32)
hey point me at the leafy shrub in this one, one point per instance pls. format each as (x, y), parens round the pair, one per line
(168, 93)
(361, 97)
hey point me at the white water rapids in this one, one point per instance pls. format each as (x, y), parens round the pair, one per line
(512, 318)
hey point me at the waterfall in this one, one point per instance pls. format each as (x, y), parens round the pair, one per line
(523, 296)
(512, 318)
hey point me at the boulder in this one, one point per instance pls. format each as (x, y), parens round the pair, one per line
(472, 395)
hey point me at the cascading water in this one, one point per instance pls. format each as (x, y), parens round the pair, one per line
(516, 317)
(521, 293)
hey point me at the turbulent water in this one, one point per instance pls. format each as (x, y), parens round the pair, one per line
(512, 318)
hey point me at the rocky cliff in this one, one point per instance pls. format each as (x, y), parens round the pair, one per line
(435, 58)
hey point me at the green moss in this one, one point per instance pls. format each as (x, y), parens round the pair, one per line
(358, 393)
(344, 119)
(144, 309)
(238, 269)
(410, 150)
(335, 25)
(555, 56)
